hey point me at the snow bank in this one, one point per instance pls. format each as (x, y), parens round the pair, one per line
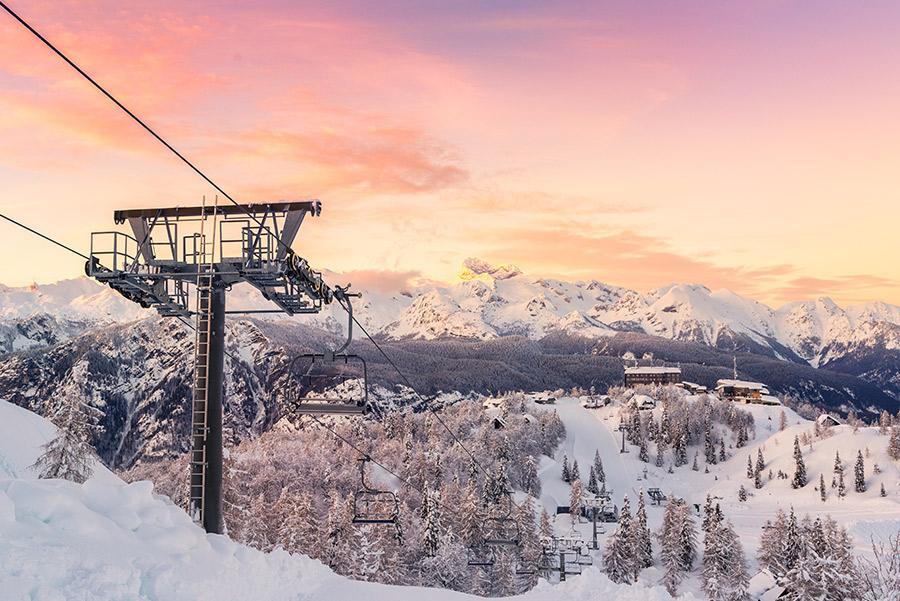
(108, 540)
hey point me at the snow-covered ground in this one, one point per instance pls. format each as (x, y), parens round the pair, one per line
(864, 514)
(107, 540)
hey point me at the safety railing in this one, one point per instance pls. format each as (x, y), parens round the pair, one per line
(112, 252)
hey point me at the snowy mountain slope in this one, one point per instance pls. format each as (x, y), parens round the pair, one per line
(114, 541)
(864, 514)
(490, 302)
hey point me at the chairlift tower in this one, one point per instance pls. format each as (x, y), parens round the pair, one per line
(211, 248)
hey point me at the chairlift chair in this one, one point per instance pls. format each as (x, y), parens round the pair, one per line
(480, 557)
(373, 506)
(327, 384)
(501, 531)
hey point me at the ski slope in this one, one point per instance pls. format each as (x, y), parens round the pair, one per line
(111, 541)
(866, 515)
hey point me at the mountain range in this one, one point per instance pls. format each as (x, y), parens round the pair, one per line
(495, 329)
(490, 302)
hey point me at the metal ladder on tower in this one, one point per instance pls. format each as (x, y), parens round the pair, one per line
(202, 332)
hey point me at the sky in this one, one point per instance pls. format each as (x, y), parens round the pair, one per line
(753, 146)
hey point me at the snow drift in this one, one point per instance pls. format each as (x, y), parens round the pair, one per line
(109, 540)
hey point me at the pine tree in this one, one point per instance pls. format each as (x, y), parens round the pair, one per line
(681, 450)
(883, 492)
(696, 466)
(838, 465)
(531, 483)
(800, 479)
(708, 514)
(742, 494)
(618, 557)
(546, 527)
(640, 537)
(566, 473)
(688, 537)
(860, 472)
(822, 493)
(708, 446)
(757, 480)
(749, 468)
(660, 458)
(529, 548)
(576, 500)
(722, 450)
(576, 474)
(724, 574)
(471, 532)
(894, 443)
(69, 455)
(842, 489)
(742, 436)
(665, 428)
(670, 542)
(760, 462)
(431, 515)
(643, 453)
(598, 467)
(593, 487)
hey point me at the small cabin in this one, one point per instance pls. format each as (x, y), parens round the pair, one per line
(741, 391)
(693, 387)
(764, 587)
(636, 376)
(643, 402)
(827, 420)
(498, 423)
(595, 402)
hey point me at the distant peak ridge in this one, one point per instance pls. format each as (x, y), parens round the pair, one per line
(474, 267)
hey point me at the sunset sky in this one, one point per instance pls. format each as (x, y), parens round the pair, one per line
(753, 146)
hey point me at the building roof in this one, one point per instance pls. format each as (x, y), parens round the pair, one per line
(764, 587)
(652, 370)
(740, 384)
(827, 417)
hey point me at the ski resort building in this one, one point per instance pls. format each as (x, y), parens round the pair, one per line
(693, 387)
(827, 420)
(635, 376)
(740, 391)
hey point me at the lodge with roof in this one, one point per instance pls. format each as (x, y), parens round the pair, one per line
(741, 391)
(635, 376)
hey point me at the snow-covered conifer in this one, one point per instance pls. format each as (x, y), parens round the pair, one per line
(593, 487)
(822, 494)
(619, 557)
(643, 453)
(640, 537)
(566, 472)
(894, 443)
(576, 500)
(724, 574)
(69, 454)
(598, 467)
(800, 479)
(860, 473)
